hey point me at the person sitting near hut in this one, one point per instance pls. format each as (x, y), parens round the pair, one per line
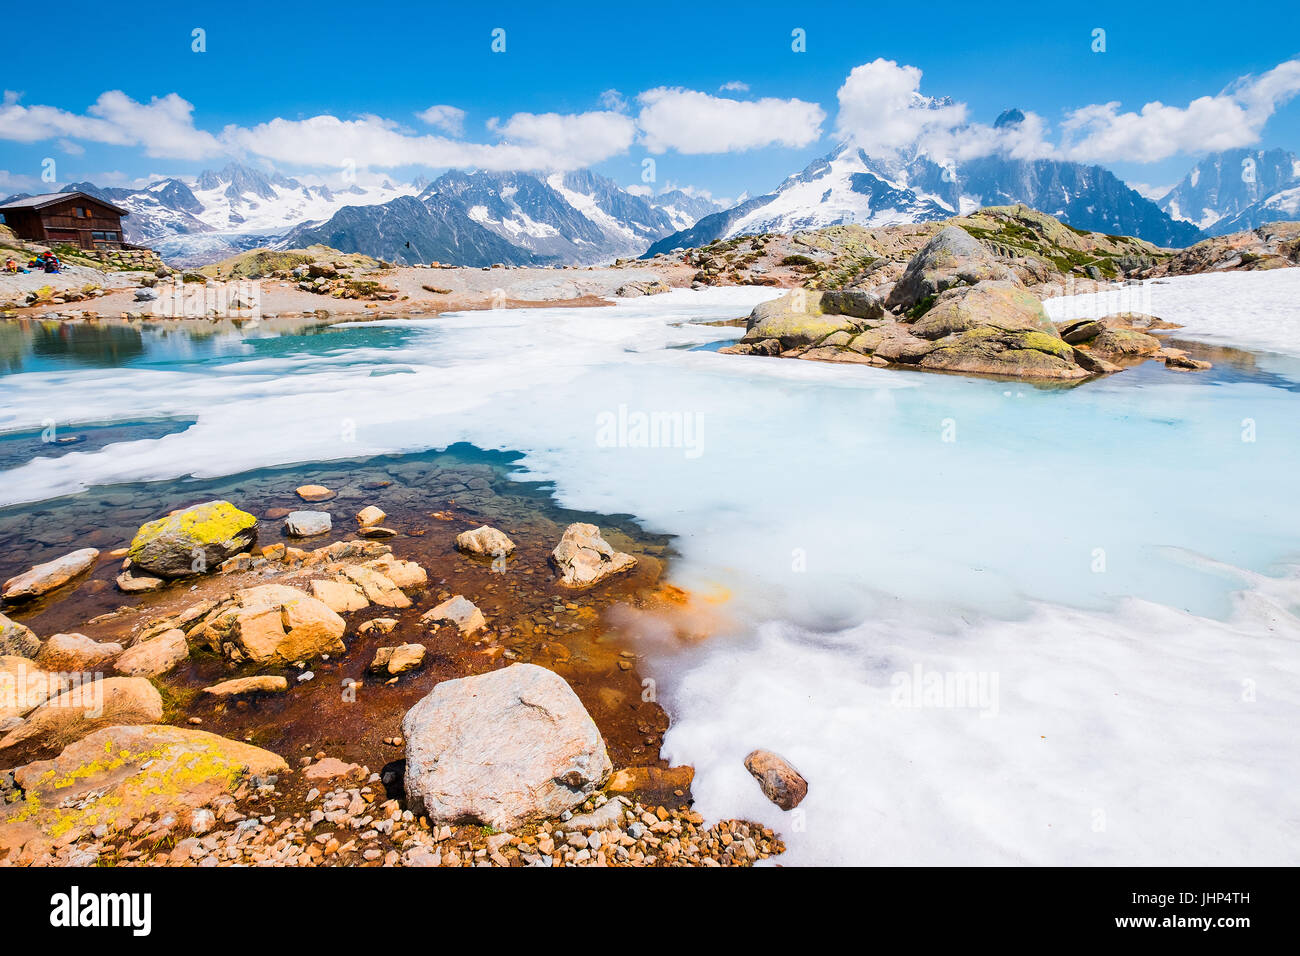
(11, 265)
(51, 262)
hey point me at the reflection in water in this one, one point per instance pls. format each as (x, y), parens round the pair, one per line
(41, 345)
(87, 344)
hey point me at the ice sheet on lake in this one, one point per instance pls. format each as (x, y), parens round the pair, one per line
(1103, 550)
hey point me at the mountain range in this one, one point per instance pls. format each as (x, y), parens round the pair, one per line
(476, 218)
(850, 186)
(1237, 189)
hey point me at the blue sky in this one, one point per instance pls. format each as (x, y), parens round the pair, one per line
(375, 68)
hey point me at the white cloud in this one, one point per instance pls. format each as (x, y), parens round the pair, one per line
(734, 86)
(449, 119)
(163, 127)
(883, 110)
(693, 122)
(1233, 118)
(575, 139)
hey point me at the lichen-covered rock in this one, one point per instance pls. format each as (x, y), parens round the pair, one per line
(1118, 343)
(193, 541)
(998, 305)
(952, 258)
(859, 303)
(17, 640)
(271, 623)
(49, 576)
(795, 319)
(486, 541)
(86, 707)
(502, 749)
(1016, 354)
(584, 558)
(119, 775)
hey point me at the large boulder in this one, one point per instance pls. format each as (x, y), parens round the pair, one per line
(794, 320)
(192, 541)
(999, 305)
(502, 749)
(86, 707)
(49, 576)
(952, 258)
(17, 640)
(120, 775)
(272, 623)
(584, 558)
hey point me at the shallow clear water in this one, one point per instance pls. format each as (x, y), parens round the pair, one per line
(1113, 560)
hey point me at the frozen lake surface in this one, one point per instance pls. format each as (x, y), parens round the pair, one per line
(989, 622)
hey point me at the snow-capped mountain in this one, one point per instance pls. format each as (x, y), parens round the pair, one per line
(849, 186)
(229, 210)
(469, 217)
(1237, 189)
(576, 217)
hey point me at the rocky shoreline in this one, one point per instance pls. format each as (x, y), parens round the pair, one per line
(244, 691)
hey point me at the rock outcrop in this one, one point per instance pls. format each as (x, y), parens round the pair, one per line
(193, 541)
(272, 623)
(502, 749)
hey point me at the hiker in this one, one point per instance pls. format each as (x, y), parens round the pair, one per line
(11, 265)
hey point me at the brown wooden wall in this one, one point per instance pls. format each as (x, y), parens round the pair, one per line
(62, 222)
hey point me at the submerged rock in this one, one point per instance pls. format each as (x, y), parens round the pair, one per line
(49, 576)
(502, 749)
(781, 783)
(192, 541)
(306, 524)
(314, 493)
(584, 558)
